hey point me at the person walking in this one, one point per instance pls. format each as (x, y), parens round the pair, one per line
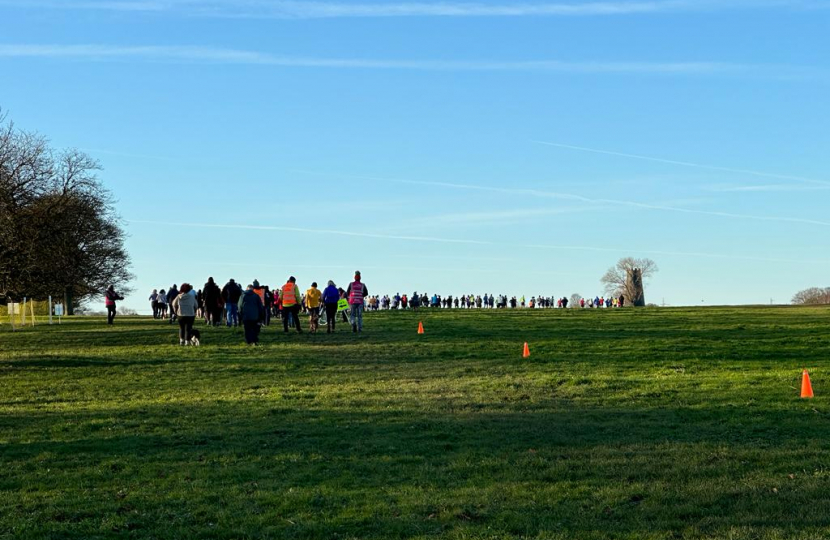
(312, 304)
(185, 306)
(110, 298)
(213, 302)
(290, 296)
(230, 294)
(172, 293)
(356, 293)
(252, 312)
(268, 300)
(162, 304)
(154, 303)
(330, 298)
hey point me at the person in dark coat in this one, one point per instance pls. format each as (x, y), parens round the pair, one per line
(231, 293)
(172, 293)
(109, 299)
(213, 302)
(252, 313)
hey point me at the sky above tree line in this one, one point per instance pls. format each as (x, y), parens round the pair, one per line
(445, 147)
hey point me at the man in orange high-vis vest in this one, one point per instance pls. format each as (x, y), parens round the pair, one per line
(290, 298)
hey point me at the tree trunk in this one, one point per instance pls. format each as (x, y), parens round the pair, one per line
(636, 293)
(68, 302)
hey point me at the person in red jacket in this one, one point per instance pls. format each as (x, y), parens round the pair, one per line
(356, 294)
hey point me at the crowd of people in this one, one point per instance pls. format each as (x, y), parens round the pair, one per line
(488, 301)
(257, 305)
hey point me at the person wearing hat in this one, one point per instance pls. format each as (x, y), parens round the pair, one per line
(290, 297)
(356, 293)
(312, 303)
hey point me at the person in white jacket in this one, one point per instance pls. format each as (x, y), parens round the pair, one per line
(184, 306)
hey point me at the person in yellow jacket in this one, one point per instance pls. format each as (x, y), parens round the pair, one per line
(313, 297)
(290, 298)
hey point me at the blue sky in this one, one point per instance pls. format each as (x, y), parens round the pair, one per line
(262, 139)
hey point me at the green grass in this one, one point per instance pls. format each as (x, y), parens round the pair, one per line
(640, 424)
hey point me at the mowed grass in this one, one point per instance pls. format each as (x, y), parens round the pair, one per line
(638, 424)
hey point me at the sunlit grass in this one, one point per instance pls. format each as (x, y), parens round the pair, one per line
(658, 423)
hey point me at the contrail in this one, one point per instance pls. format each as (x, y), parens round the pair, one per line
(225, 56)
(575, 197)
(293, 9)
(437, 268)
(685, 163)
(469, 242)
(313, 231)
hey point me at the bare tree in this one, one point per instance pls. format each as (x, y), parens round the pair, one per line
(59, 234)
(813, 295)
(626, 279)
(574, 301)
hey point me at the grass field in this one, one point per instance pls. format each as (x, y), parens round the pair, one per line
(640, 424)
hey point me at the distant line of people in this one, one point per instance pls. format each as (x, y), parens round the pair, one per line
(488, 301)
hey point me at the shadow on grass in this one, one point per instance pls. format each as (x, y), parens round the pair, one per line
(598, 472)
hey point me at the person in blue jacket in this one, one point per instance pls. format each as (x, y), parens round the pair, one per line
(331, 295)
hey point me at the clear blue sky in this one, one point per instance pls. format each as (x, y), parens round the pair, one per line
(419, 127)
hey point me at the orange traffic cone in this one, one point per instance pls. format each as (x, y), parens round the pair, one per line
(806, 387)
(526, 353)
(420, 328)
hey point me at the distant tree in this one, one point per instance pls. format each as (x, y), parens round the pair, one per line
(574, 301)
(813, 295)
(618, 280)
(59, 234)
